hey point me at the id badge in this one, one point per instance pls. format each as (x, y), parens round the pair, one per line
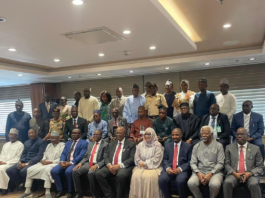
(218, 129)
(142, 130)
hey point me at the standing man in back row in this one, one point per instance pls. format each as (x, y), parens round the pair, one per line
(118, 102)
(203, 99)
(170, 97)
(87, 105)
(47, 107)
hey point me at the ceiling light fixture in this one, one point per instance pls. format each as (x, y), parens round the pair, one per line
(2, 20)
(101, 54)
(207, 63)
(252, 59)
(131, 71)
(20, 75)
(152, 47)
(99, 74)
(167, 68)
(12, 50)
(126, 32)
(69, 77)
(77, 2)
(227, 25)
(56, 60)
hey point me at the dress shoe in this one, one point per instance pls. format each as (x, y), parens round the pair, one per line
(78, 196)
(70, 195)
(59, 194)
(4, 192)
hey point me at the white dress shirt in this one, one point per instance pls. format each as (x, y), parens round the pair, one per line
(179, 144)
(75, 120)
(244, 152)
(245, 116)
(96, 153)
(120, 154)
(215, 123)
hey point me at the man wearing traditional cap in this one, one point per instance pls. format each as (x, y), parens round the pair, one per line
(188, 123)
(203, 99)
(98, 124)
(226, 100)
(163, 125)
(87, 105)
(118, 102)
(130, 111)
(154, 100)
(170, 97)
(146, 88)
(10, 155)
(39, 123)
(56, 124)
(20, 120)
(32, 154)
(42, 169)
(139, 126)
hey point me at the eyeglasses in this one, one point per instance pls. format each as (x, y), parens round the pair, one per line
(240, 134)
(246, 105)
(147, 134)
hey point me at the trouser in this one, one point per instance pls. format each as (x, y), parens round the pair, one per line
(29, 181)
(123, 177)
(214, 185)
(252, 183)
(57, 172)
(16, 175)
(181, 182)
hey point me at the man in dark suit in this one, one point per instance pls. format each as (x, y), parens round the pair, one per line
(75, 122)
(72, 154)
(32, 154)
(90, 164)
(119, 160)
(47, 107)
(189, 124)
(243, 164)
(176, 165)
(220, 124)
(114, 123)
(252, 122)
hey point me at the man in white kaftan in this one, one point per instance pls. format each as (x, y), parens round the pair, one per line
(9, 156)
(42, 169)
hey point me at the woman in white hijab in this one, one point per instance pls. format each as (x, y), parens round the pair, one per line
(148, 159)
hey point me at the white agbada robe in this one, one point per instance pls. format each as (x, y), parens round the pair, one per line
(11, 153)
(43, 172)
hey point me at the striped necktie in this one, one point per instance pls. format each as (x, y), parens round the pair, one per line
(246, 122)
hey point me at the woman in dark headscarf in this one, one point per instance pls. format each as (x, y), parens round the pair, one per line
(148, 159)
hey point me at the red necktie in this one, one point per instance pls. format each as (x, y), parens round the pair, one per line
(241, 168)
(175, 158)
(117, 155)
(115, 122)
(92, 155)
(74, 122)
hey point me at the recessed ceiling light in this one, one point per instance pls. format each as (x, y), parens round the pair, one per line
(2, 20)
(227, 25)
(20, 75)
(152, 47)
(77, 2)
(99, 74)
(69, 77)
(252, 59)
(131, 71)
(56, 60)
(207, 63)
(12, 49)
(166, 68)
(101, 54)
(126, 32)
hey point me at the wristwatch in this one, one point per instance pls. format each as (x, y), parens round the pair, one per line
(27, 163)
(190, 139)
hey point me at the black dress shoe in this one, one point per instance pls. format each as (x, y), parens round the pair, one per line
(59, 194)
(78, 196)
(4, 192)
(70, 195)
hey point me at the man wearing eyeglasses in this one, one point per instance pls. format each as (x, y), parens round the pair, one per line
(252, 122)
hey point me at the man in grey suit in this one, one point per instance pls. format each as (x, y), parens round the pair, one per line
(115, 122)
(243, 164)
(92, 161)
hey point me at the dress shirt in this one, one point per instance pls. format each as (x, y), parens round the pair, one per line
(120, 154)
(245, 116)
(179, 144)
(75, 120)
(244, 152)
(96, 153)
(47, 105)
(72, 154)
(215, 123)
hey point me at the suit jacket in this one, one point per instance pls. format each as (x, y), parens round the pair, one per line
(44, 113)
(82, 125)
(33, 151)
(120, 122)
(128, 153)
(256, 124)
(79, 152)
(222, 121)
(100, 154)
(194, 127)
(254, 160)
(183, 159)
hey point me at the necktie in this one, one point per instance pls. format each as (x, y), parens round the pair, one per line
(92, 155)
(241, 168)
(175, 158)
(47, 107)
(117, 154)
(74, 122)
(70, 152)
(213, 122)
(246, 123)
(115, 122)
